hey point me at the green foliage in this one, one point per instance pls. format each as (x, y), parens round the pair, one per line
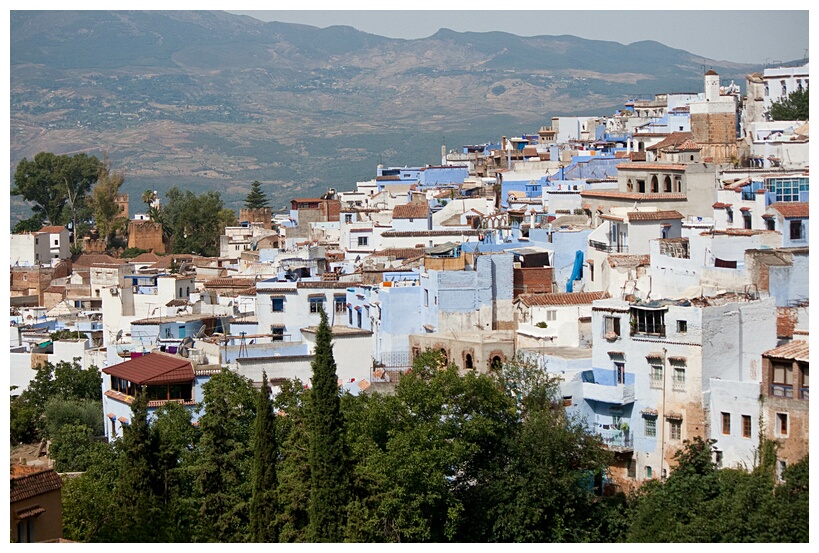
(327, 471)
(85, 412)
(57, 186)
(71, 447)
(32, 224)
(256, 198)
(195, 222)
(796, 107)
(225, 459)
(107, 215)
(66, 334)
(91, 509)
(263, 506)
(293, 468)
(130, 253)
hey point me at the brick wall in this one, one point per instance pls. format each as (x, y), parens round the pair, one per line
(533, 280)
(261, 215)
(714, 128)
(146, 235)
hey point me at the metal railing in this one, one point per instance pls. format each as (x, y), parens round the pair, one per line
(610, 248)
(782, 390)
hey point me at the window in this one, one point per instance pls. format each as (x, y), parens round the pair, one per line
(770, 224)
(350, 311)
(718, 458)
(641, 186)
(620, 368)
(651, 428)
(667, 183)
(551, 315)
(679, 378)
(426, 298)
(796, 230)
(782, 381)
(648, 472)
(277, 305)
(648, 321)
(340, 303)
(56, 242)
(782, 424)
(358, 315)
(675, 429)
(656, 376)
(655, 184)
(726, 423)
(746, 217)
(805, 383)
(468, 361)
(348, 217)
(25, 530)
(277, 333)
(363, 240)
(682, 327)
(784, 88)
(612, 328)
(316, 304)
(780, 468)
(746, 426)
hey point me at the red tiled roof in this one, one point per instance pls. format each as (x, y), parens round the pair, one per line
(654, 215)
(562, 298)
(31, 481)
(91, 259)
(736, 232)
(792, 209)
(229, 283)
(720, 205)
(673, 140)
(153, 368)
(628, 260)
(52, 229)
(414, 210)
(798, 350)
(146, 257)
(399, 253)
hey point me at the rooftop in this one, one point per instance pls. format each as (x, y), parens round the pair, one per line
(153, 368)
(562, 298)
(797, 350)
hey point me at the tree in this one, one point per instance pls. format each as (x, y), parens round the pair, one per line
(796, 107)
(328, 482)
(107, 212)
(263, 505)
(256, 198)
(91, 512)
(225, 458)
(56, 185)
(195, 222)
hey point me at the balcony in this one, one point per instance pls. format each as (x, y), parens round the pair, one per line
(617, 395)
(617, 440)
(609, 248)
(803, 393)
(782, 390)
(656, 330)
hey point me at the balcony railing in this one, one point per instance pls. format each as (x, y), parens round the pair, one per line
(648, 330)
(610, 248)
(782, 390)
(657, 383)
(617, 439)
(803, 393)
(617, 395)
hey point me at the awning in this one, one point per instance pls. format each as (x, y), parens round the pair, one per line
(654, 355)
(29, 512)
(616, 354)
(277, 326)
(277, 296)
(314, 296)
(111, 416)
(672, 415)
(123, 420)
(429, 328)
(648, 412)
(678, 359)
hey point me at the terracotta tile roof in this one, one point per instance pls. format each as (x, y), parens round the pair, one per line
(52, 229)
(414, 210)
(721, 205)
(147, 257)
(322, 284)
(797, 350)
(792, 209)
(251, 291)
(617, 195)
(654, 215)
(652, 166)
(91, 259)
(56, 289)
(177, 303)
(562, 298)
(673, 140)
(428, 233)
(230, 283)
(30, 481)
(399, 253)
(153, 368)
(736, 232)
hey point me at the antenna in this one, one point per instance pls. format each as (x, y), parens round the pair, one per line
(200, 333)
(119, 335)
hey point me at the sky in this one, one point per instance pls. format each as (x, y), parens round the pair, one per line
(752, 36)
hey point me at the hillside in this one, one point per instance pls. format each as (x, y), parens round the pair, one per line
(214, 101)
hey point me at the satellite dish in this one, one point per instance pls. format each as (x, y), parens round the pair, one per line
(200, 333)
(186, 343)
(119, 335)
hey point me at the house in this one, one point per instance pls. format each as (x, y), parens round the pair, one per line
(29, 249)
(662, 372)
(58, 241)
(790, 219)
(784, 400)
(555, 320)
(164, 377)
(35, 504)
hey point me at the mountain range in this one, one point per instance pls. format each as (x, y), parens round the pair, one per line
(211, 100)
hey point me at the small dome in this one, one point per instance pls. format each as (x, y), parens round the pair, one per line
(711, 72)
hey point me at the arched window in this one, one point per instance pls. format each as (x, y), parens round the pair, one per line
(496, 363)
(188, 291)
(655, 184)
(629, 185)
(443, 355)
(667, 183)
(468, 361)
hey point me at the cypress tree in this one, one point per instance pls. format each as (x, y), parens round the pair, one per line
(263, 504)
(256, 198)
(327, 476)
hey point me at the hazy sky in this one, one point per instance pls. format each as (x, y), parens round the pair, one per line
(738, 36)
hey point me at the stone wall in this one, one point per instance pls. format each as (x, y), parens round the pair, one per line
(146, 235)
(260, 215)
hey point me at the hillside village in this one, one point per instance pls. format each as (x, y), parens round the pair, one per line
(655, 259)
